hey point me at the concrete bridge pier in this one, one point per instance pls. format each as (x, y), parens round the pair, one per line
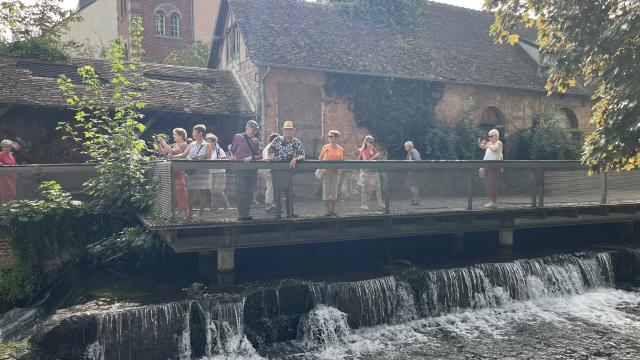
(505, 242)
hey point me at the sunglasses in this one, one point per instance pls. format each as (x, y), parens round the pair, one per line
(372, 142)
(212, 140)
(330, 136)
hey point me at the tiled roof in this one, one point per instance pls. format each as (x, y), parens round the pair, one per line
(450, 44)
(172, 89)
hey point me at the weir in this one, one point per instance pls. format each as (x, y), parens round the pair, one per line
(316, 314)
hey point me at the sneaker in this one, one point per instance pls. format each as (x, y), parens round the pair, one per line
(381, 205)
(490, 204)
(364, 207)
(414, 203)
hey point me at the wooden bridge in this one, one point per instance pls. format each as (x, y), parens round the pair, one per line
(531, 194)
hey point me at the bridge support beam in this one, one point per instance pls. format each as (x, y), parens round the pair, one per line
(226, 266)
(505, 237)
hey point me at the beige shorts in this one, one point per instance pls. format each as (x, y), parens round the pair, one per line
(330, 186)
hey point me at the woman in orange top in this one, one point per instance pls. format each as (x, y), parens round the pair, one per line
(330, 177)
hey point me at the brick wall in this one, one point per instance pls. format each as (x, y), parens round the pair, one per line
(158, 47)
(517, 106)
(6, 254)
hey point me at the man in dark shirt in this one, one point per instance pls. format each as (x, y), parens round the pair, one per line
(284, 148)
(246, 147)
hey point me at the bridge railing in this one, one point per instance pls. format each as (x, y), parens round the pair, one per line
(22, 182)
(367, 188)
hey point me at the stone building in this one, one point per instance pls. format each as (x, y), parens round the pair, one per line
(31, 105)
(169, 25)
(283, 51)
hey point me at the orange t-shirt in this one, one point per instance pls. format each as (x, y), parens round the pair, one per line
(330, 153)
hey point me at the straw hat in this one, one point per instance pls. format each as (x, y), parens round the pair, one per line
(288, 125)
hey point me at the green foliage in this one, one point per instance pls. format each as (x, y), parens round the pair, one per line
(592, 40)
(33, 31)
(39, 48)
(458, 142)
(397, 14)
(394, 110)
(18, 285)
(107, 127)
(131, 243)
(42, 230)
(196, 55)
(547, 141)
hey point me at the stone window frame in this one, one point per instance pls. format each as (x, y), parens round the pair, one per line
(173, 13)
(174, 25)
(161, 23)
(233, 43)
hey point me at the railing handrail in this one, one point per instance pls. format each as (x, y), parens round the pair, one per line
(48, 168)
(307, 165)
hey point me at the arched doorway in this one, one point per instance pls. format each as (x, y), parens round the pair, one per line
(493, 118)
(569, 121)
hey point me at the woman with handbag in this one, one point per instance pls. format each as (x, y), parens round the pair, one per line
(198, 180)
(330, 177)
(369, 180)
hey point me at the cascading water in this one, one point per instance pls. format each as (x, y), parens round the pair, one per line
(369, 302)
(445, 308)
(155, 331)
(225, 328)
(323, 325)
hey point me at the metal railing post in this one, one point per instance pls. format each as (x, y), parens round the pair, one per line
(387, 191)
(172, 179)
(541, 179)
(604, 189)
(469, 189)
(290, 200)
(533, 177)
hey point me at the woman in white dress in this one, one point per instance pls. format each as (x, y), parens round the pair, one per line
(493, 152)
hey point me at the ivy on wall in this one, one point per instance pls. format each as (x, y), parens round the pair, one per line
(42, 230)
(394, 110)
(546, 140)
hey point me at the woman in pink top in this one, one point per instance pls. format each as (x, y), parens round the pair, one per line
(7, 180)
(369, 180)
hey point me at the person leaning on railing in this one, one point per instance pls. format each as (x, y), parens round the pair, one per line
(178, 147)
(290, 149)
(198, 180)
(7, 181)
(412, 178)
(218, 176)
(246, 147)
(369, 180)
(330, 177)
(493, 152)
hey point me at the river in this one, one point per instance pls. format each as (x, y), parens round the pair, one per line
(576, 305)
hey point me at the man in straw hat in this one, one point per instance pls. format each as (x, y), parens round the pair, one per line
(284, 148)
(246, 147)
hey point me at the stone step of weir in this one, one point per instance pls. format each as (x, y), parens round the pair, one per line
(6, 253)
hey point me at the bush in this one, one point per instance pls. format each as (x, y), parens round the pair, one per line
(545, 141)
(37, 48)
